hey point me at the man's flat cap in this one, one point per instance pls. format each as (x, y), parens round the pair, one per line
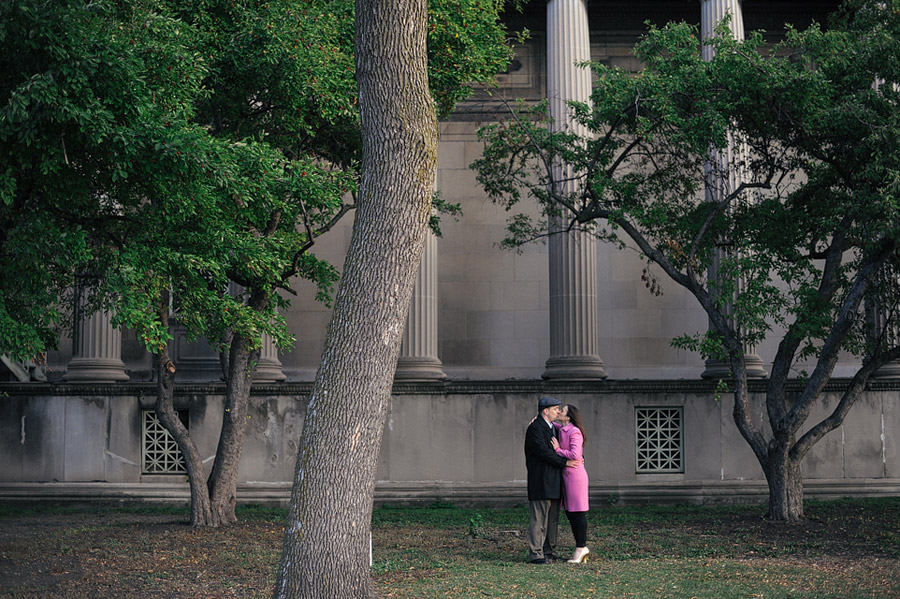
(546, 402)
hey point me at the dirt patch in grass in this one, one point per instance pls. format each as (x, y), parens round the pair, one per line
(836, 529)
(102, 554)
(135, 556)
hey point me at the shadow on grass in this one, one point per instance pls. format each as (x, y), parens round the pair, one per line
(847, 549)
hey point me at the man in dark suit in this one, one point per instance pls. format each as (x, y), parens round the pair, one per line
(544, 482)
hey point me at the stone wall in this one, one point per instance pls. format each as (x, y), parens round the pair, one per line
(460, 441)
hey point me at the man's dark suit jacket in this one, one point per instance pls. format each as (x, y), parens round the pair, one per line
(543, 463)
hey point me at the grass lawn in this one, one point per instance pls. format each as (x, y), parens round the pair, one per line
(845, 549)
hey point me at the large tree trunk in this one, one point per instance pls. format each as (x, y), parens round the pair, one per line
(780, 465)
(785, 480)
(326, 546)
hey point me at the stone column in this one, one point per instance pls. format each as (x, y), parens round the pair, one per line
(881, 321)
(713, 11)
(269, 367)
(892, 332)
(97, 355)
(722, 176)
(418, 359)
(574, 336)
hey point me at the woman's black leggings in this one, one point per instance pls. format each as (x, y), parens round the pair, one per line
(578, 520)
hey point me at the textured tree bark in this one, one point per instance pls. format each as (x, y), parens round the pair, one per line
(326, 545)
(785, 486)
(780, 465)
(201, 513)
(222, 482)
(213, 499)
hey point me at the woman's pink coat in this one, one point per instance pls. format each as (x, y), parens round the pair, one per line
(575, 480)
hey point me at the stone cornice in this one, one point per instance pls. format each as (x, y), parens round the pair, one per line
(622, 17)
(445, 387)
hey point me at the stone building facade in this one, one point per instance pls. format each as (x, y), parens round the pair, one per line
(488, 332)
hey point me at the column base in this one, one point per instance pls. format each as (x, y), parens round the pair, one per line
(721, 369)
(95, 370)
(575, 367)
(891, 370)
(268, 371)
(419, 369)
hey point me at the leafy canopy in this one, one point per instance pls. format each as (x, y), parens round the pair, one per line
(151, 146)
(778, 163)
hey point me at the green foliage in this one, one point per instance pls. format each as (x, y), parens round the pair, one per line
(153, 147)
(89, 92)
(282, 72)
(810, 127)
(466, 44)
(442, 207)
(476, 525)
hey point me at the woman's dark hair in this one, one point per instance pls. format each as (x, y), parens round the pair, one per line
(575, 416)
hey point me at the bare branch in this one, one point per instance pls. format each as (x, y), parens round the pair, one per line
(848, 399)
(833, 343)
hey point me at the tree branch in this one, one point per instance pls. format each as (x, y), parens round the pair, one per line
(776, 399)
(833, 343)
(848, 399)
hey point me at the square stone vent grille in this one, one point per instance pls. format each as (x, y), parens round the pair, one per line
(160, 453)
(659, 435)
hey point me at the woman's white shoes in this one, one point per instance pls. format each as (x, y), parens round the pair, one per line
(580, 555)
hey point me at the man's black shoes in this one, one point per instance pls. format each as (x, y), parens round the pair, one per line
(540, 560)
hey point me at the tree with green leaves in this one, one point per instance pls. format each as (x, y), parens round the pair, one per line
(105, 143)
(295, 89)
(169, 151)
(805, 235)
(75, 79)
(290, 93)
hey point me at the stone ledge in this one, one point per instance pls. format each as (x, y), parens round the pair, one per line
(413, 493)
(444, 387)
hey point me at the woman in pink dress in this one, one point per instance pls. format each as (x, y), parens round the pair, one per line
(575, 480)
